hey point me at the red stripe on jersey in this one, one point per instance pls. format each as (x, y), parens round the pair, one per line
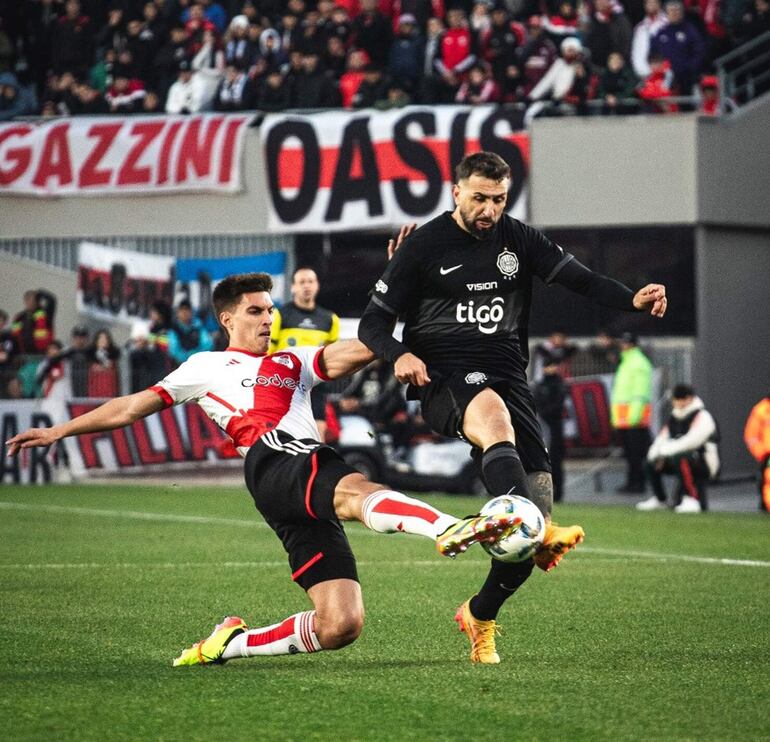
(393, 507)
(284, 629)
(272, 399)
(309, 489)
(163, 394)
(307, 565)
(317, 366)
(221, 401)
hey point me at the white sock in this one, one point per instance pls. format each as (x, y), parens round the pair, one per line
(387, 511)
(294, 635)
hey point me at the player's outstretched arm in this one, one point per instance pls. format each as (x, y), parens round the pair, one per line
(344, 358)
(116, 413)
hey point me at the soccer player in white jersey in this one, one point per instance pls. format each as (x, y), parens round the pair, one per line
(302, 488)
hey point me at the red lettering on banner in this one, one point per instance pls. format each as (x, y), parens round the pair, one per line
(130, 174)
(147, 454)
(204, 433)
(19, 156)
(165, 151)
(591, 413)
(55, 161)
(173, 435)
(228, 149)
(87, 441)
(89, 174)
(195, 152)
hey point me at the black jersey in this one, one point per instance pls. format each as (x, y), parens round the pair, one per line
(464, 301)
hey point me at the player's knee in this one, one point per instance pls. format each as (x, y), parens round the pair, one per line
(341, 629)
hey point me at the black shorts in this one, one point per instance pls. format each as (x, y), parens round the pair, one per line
(292, 483)
(446, 398)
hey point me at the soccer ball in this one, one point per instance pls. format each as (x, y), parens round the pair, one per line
(523, 543)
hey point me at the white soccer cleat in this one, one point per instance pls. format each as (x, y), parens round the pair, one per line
(688, 505)
(651, 503)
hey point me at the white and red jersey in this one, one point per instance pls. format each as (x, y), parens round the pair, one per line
(248, 394)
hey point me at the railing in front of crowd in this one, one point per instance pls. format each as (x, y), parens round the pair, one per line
(744, 73)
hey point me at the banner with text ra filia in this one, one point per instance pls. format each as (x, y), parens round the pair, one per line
(343, 170)
(115, 155)
(121, 285)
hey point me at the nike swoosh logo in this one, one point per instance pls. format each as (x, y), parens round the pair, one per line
(444, 271)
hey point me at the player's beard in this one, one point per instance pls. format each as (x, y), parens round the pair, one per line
(480, 233)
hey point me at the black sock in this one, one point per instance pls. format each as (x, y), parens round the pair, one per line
(503, 580)
(503, 471)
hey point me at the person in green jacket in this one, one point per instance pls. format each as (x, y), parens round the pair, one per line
(631, 409)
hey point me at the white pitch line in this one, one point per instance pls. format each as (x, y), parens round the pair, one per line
(207, 520)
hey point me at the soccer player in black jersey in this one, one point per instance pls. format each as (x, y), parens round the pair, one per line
(462, 284)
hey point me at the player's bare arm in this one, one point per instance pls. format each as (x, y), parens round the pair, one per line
(344, 358)
(117, 413)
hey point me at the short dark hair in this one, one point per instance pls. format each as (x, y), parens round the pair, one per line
(486, 164)
(682, 391)
(228, 292)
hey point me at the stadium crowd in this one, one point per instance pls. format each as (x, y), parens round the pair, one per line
(74, 57)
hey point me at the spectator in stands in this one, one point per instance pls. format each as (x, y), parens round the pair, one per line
(75, 361)
(6, 50)
(479, 20)
(567, 81)
(335, 57)
(550, 393)
(274, 94)
(147, 361)
(313, 88)
(15, 100)
(126, 93)
(608, 31)
(396, 97)
(756, 434)
(653, 21)
(87, 100)
(271, 53)
(686, 448)
(631, 410)
(50, 377)
(406, 53)
(709, 102)
(617, 84)
(168, 59)
(209, 68)
(556, 349)
(562, 24)
(160, 326)
(479, 87)
(658, 85)
(457, 55)
(755, 21)
(502, 41)
(113, 34)
(353, 77)
(212, 11)
(681, 44)
(603, 353)
(196, 25)
(103, 357)
(143, 45)
(537, 55)
(236, 92)
(239, 49)
(187, 334)
(372, 33)
(9, 360)
(373, 88)
(72, 40)
(183, 95)
(32, 328)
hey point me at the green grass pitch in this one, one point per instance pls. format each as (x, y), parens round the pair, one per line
(656, 628)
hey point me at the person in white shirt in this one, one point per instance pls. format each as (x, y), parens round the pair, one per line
(685, 448)
(302, 488)
(654, 19)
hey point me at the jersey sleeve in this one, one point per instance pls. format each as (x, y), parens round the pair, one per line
(310, 358)
(545, 258)
(400, 281)
(189, 382)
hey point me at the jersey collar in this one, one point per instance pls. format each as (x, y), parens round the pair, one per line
(247, 352)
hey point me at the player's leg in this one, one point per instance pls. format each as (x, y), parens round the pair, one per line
(386, 511)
